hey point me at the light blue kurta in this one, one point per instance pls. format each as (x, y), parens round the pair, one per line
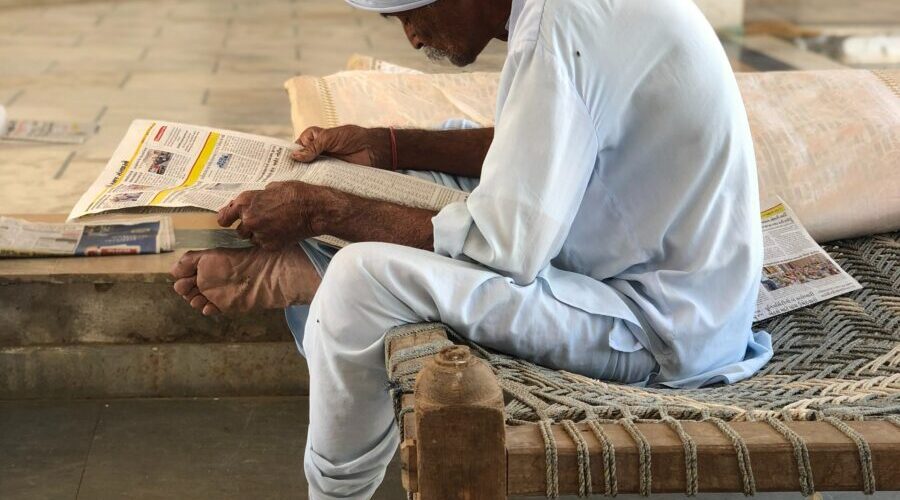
(622, 175)
(615, 232)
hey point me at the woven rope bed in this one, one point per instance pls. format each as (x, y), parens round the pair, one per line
(835, 362)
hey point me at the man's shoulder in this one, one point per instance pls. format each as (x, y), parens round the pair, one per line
(550, 20)
(555, 22)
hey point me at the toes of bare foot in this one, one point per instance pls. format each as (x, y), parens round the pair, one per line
(188, 297)
(199, 302)
(186, 265)
(184, 286)
(211, 310)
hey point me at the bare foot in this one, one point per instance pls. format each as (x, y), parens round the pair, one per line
(238, 280)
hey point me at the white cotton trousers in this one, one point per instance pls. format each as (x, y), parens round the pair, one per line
(369, 288)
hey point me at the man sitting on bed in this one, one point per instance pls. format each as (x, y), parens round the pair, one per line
(614, 230)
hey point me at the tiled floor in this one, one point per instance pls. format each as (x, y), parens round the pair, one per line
(245, 448)
(218, 63)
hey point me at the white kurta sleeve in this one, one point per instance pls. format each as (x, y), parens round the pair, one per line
(534, 176)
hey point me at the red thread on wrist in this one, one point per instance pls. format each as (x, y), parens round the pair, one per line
(395, 161)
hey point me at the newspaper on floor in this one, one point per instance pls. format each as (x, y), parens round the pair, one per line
(44, 131)
(171, 165)
(21, 238)
(797, 272)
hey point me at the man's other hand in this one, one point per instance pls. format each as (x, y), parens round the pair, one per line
(278, 216)
(370, 147)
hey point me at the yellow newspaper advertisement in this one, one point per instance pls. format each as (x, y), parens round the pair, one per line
(796, 271)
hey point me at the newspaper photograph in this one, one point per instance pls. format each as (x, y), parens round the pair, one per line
(21, 238)
(797, 272)
(171, 165)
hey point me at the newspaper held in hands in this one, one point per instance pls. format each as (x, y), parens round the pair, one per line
(171, 165)
(21, 238)
(797, 272)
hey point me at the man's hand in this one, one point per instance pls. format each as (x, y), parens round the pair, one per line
(370, 147)
(286, 212)
(454, 152)
(278, 216)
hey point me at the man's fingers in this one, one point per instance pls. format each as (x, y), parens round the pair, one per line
(321, 142)
(234, 211)
(185, 285)
(310, 143)
(307, 135)
(307, 155)
(244, 232)
(229, 214)
(186, 265)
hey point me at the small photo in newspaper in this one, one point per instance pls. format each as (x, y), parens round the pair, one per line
(21, 238)
(797, 272)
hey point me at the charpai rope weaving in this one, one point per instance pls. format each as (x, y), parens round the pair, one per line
(834, 361)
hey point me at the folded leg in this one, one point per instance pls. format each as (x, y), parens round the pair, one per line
(372, 287)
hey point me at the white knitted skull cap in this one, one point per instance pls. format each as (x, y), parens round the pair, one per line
(389, 6)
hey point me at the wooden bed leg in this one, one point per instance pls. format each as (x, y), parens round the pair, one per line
(460, 429)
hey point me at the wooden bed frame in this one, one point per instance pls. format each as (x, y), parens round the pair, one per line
(457, 445)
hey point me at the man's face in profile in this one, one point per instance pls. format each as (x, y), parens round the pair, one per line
(445, 31)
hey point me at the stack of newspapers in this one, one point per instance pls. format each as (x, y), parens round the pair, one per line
(21, 238)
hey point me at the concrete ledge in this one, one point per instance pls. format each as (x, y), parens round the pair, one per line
(152, 370)
(122, 313)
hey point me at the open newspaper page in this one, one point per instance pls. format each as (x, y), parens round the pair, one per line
(796, 271)
(172, 165)
(21, 238)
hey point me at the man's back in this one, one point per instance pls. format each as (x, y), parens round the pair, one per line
(670, 215)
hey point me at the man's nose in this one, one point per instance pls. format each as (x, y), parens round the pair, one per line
(412, 36)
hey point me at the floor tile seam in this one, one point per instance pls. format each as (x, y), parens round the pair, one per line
(65, 165)
(87, 455)
(15, 97)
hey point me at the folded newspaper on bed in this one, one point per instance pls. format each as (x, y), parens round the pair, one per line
(171, 165)
(797, 272)
(21, 238)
